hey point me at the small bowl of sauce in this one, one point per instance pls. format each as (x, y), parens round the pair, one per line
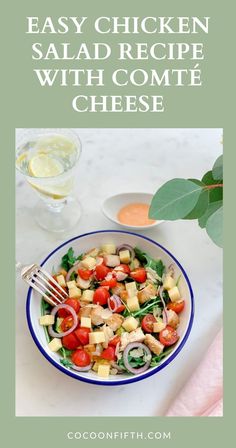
(129, 210)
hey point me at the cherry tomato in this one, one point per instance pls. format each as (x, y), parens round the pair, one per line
(168, 336)
(114, 341)
(85, 274)
(120, 309)
(176, 306)
(57, 288)
(101, 296)
(139, 275)
(81, 358)
(109, 353)
(74, 303)
(67, 323)
(82, 334)
(101, 271)
(147, 323)
(123, 268)
(70, 341)
(110, 283)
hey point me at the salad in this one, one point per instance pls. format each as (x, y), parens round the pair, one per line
(121, 315)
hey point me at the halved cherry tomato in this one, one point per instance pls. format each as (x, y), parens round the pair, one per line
(168, 336)
(114, 341)
(120, 309)
(109, 353)
(101, 271)
(101, 296)
(176, 306)
(74, 303)
(123, 268)
(82, 333)
(110, 283)
(147, 323)
(139, 275)
(67, 323)
(70, 341)
(81, 358)
(85, 274)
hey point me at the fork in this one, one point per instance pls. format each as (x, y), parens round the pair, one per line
(43, 283)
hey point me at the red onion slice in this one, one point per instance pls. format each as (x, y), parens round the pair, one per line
(126, 247)
(114, 303)
(82, 369)
(73, 269)
(165, 318)
(126, 360)
(54, 311)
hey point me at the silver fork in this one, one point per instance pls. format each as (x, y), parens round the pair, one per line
(43, 283)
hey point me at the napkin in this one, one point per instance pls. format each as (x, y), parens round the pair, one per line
(203, 393)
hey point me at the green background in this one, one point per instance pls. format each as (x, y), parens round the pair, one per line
(25, 104)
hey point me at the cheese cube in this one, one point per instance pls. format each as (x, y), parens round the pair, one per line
(61, 280)
(74, 293)
(87, 295)
(158, 326)
(125, 256)
(174, 294)
(71, 284)
(96, 337)
(103, 371)
(55, 344)
(89, 263)
(131, 289)
(133, 303)
(169, 282)
(86, 322)
(48, 319)
(109, 248)
(130, 324)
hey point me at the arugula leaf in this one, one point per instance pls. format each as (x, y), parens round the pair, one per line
(147, 307)
(66, 363)
(157, 358)
(65, 352)
(44, 310)
(149, 262)
(136, 362)
(73, 276)
(69, 259)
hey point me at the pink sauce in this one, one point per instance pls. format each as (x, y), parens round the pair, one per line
(135, 215)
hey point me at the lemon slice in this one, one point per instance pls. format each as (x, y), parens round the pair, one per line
(42, 165)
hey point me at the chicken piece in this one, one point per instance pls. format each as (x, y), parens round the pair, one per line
(146, 293)
(154, 345)
(118, 288)
(115, 321)
(172, 318)
(96, 315)
(83, 284)
(85, 311)
(133, 336)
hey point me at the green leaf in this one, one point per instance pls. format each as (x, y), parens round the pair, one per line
(174, 200)
(156, 265)
(66, 363)
(215, 194)
(200, 207)
(214, 227)
(217, 170)
(213, 206)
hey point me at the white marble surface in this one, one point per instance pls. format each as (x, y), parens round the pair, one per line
(113, 161)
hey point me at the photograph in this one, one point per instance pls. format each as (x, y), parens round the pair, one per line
(119, 302)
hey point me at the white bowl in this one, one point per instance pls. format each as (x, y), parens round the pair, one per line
(112, 205)
(83, 243)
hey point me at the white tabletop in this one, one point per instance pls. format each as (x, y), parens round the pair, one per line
(113, 161)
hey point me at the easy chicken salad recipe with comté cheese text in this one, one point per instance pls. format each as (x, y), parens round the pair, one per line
(121, 315)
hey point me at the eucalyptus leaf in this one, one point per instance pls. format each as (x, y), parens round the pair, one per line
(217, 170)
(214, 227)
(174, 200)
(212, 207)
(215, 194)
(200, 207)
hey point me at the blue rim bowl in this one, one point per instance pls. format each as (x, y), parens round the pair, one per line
(129, 379)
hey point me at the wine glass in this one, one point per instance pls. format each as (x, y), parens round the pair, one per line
(48, 159)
